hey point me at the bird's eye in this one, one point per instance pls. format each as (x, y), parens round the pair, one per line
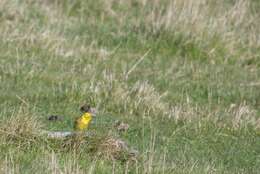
(85, 108)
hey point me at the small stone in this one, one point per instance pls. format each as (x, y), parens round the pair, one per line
(55, 118)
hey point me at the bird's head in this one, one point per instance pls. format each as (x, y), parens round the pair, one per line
(87, 109)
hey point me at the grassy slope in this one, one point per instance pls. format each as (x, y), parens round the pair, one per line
(192, 103)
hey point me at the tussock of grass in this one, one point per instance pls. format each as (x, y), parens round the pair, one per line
(115, 149)
(22, 126)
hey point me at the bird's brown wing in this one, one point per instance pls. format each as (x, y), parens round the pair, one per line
(76, 122)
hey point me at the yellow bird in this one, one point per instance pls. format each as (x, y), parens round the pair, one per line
(82, 123)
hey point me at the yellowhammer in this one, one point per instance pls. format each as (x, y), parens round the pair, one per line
(81, 123)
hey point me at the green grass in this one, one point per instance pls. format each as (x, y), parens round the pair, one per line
(187, 84)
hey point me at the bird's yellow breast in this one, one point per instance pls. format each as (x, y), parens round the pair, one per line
(82, 122)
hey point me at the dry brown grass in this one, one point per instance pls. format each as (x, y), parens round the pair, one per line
(23, 126)
(243, 115)
(116, 149)
(207, 22)
(202, 21)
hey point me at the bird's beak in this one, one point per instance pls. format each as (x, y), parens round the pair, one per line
(93, 112)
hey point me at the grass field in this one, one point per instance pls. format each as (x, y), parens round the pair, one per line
(184, 74)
